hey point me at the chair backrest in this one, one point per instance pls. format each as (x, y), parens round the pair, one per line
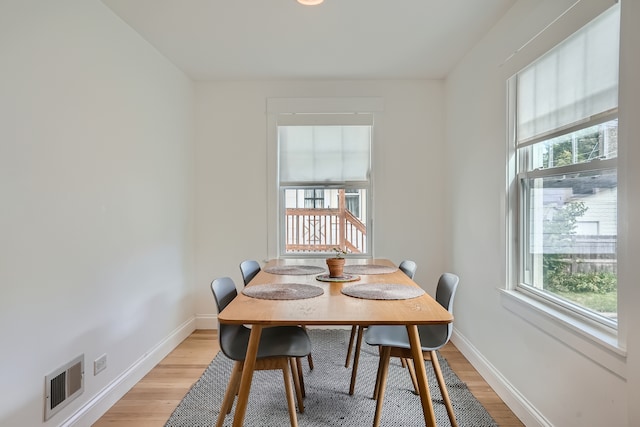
(408, 267)
(224, 291)
(436, 336)
(249, 268)
(445, 294)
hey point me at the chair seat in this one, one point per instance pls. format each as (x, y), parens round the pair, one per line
(277, 341)
(431, 338)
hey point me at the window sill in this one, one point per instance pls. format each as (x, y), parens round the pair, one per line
(596, 343)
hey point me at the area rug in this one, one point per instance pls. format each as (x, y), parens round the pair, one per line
(327, 401)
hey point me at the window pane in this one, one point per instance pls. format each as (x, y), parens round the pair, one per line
(324, 153)
(317, 220)
(595, 142)
(314, 198)
(570, 230)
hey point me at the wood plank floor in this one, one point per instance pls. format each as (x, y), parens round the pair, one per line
(150, 402)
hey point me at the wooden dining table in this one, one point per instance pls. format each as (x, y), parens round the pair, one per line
(332, 308)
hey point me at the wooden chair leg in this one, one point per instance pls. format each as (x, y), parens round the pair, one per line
(356, 358)
(310, 361)
(236, 386)
(383, 372)
(300, 376)
(412, 374)
(296, 383)
(289, 392)
(230, 393)
(403, 362)
(376, 388)
(443, 388)
(350, 347)
(309, 358)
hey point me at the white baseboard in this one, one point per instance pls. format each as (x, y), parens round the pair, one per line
(206, 321)
(520, 406)
(99, 404)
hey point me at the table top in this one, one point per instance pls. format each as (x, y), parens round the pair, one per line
(333, 307)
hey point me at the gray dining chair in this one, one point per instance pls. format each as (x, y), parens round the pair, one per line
(409, 268)
(249, 269)
(393, 341)
(280, 347)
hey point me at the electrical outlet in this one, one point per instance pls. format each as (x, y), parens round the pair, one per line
(100, 364)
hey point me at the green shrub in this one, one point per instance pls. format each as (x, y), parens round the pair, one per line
(600, 283)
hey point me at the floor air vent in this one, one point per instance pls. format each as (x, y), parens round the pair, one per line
(63, 385)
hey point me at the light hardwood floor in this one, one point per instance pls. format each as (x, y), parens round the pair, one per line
(150, 402)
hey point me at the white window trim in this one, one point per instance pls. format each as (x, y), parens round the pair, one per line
(329, 105)
(603, 345)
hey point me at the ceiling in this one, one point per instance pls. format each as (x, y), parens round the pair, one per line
(339, 39)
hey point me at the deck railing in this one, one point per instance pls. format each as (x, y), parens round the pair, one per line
(321, 230)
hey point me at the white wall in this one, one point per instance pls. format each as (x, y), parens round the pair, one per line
(232, 203)
(96, 227)
(548, 374)
(96, 246)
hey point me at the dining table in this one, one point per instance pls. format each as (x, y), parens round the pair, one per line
(328, 305)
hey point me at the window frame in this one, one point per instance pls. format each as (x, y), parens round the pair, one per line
(277, 107)
(575, 317)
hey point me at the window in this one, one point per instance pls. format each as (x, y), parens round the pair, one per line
(564, 113)
(313, 198)
(353, 200)
(324, 169)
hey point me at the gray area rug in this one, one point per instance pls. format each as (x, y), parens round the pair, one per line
(327, 401)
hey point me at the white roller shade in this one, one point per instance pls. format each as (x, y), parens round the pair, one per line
(574, 82)
(324, 153)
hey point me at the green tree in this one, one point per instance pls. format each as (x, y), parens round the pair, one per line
(559, 229)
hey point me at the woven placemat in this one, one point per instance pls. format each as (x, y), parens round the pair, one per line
(294, 269)
(343, 278)
(283, 291)
(369, 269)
(383, 291)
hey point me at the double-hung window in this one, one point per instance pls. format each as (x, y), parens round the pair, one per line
(324, 183)
(564, 109)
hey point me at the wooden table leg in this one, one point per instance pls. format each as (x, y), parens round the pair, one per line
(354, 371)
(247, 375)
(421, 373)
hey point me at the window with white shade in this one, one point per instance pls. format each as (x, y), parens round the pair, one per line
(564, 120)
(324, 184)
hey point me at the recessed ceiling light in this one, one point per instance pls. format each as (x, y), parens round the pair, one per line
(310, 2)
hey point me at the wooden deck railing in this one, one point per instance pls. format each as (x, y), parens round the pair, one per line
(320, 230)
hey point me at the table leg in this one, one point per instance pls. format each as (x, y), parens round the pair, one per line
(421, 374)
(247, 375)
